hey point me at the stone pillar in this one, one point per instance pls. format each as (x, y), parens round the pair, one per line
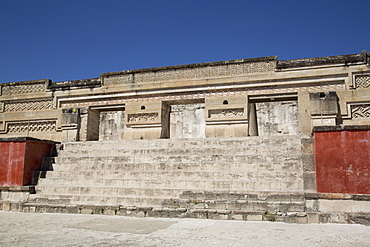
(324, 108)
(165, 132)
(89, 125)
(252, 120)
(226, 116)
(143, 120)
(304, 117)
(70, 124)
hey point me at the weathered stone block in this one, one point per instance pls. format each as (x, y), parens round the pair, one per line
(254, 217)
(308, 162)
(237, 217)
(6, 206)
(324, 103)
(86, 211)
(313, 218)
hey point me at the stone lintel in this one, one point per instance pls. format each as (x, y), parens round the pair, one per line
(340, 128)
(23, 138)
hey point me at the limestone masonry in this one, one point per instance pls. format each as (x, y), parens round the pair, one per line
(251, 139)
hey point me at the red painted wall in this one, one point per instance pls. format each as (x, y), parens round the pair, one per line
(18, 160)
(342, 160)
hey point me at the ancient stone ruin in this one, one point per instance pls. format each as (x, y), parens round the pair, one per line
(248, 139)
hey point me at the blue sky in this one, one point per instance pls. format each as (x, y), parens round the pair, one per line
(79, 39)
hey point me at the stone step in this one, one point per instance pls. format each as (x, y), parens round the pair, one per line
(239, 150)
(292, 184)
(185, 143)
(137, 201)
(238, 196)
(294, 165)
(188, 158)
(174, 175)
(270, 202)
(108, 190)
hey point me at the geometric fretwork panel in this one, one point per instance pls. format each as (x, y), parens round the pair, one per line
(360, 111)
(362, 81)
(23, 88)
(40, 126)
(36, 105)
(225, 113)
(192, 73)
(142, 117)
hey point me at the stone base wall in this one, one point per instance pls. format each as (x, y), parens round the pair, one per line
(19, 158)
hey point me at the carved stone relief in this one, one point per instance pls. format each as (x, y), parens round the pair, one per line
(191, 73)
(226, 113)
(40, 126)
(23, 88)
(360, 111)
(35, 105)
(362, 81)
(142, 117)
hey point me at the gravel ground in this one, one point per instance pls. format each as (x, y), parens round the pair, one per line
(22, 229)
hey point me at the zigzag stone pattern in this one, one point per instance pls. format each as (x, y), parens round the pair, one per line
(23, 89)
(35, 105)
(32, 126)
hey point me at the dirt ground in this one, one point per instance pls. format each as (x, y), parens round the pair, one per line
(22, 229)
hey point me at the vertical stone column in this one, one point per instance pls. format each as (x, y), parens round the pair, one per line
(70, 124)
(165, 112)
(304, 115)
(252, 120)
(89, 125)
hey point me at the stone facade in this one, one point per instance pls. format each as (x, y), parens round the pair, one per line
(260, 96)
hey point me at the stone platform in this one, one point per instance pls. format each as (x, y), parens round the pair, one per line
(251, 178)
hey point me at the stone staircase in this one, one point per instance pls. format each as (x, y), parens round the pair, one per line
(221, 177)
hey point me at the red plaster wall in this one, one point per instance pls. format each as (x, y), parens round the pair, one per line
(35, 151)
(18, 159)
(12, 163)
(343, 161)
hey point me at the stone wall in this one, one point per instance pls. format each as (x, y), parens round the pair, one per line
(187, 121)
(338, 85)
(277, 118)
(112, 125)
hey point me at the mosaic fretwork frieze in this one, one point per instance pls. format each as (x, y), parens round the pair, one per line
(362, 81)
(191, 73)
(35, 105)
(182, 96)
(23, 89)
(226, 113)
(142, 117)
(40, 126)
(360, 111)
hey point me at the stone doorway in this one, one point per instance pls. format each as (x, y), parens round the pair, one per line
(187, 120)
(111, 125)
(273, 118)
